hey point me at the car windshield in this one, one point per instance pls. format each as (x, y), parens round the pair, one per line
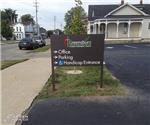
(26, 40)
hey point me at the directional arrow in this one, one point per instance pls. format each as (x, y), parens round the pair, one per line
(55, 62)
(55, 51)
(55, 57)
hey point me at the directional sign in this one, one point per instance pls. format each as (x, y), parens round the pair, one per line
(77, 50)
(81, 50)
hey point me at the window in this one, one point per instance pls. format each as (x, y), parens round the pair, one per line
(17, 29)
(20, 36)
(20, 29)
(17, 36)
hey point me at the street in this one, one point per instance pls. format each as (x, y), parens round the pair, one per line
(129, 63)
(12, 52)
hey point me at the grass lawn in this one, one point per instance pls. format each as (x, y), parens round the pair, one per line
(85, 84)
(6, 64)
(42, 49)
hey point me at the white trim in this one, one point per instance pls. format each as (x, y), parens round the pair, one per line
(115, 19)
(124, 6)
(138, 10)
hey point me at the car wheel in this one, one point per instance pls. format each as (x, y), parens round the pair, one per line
(20, 48)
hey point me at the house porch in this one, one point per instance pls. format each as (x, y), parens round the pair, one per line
(117, 29)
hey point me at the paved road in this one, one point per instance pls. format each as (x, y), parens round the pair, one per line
(130, 63)
(12, 52)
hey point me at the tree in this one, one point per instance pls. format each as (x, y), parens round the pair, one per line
(42, 30)
(27, 19)
(6, 30)
(58, 32)
(78, 25)
(75, 20)
(78, 2)
(49, 33)
(9, 16)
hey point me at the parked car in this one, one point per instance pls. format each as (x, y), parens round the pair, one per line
(39, 40)
(28, 43)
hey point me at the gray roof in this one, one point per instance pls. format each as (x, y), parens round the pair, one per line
(101, 10)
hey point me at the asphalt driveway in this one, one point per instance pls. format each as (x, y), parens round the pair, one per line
(129, 63)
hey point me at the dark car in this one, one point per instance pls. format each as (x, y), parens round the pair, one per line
(28, 43)
(39, 40)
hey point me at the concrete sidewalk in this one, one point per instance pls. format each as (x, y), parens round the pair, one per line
(21, 83)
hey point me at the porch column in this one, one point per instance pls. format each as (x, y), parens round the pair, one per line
(140, 30)
(99, 28)
(106, 31)
(94, 28)
(129, 25)
(117, 33)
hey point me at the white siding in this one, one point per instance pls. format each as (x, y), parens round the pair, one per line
(127, 10)
(145, 29)
(135, 30)
(19, 31)
(88, 28)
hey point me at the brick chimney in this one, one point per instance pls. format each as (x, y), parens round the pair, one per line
(141, 1)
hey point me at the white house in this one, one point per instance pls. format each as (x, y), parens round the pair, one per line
(29, 30)
(19, 31)
(120, 22)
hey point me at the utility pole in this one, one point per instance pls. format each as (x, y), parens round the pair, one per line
(54, 23)
(61, 26)
(36, 11)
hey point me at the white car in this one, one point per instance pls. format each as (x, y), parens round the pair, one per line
(39, 40)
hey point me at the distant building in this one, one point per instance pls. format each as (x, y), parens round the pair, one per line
(121, 22)
(29, 30)
(21, 31)
(43, 32)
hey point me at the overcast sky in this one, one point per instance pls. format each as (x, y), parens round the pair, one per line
(50, 8)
